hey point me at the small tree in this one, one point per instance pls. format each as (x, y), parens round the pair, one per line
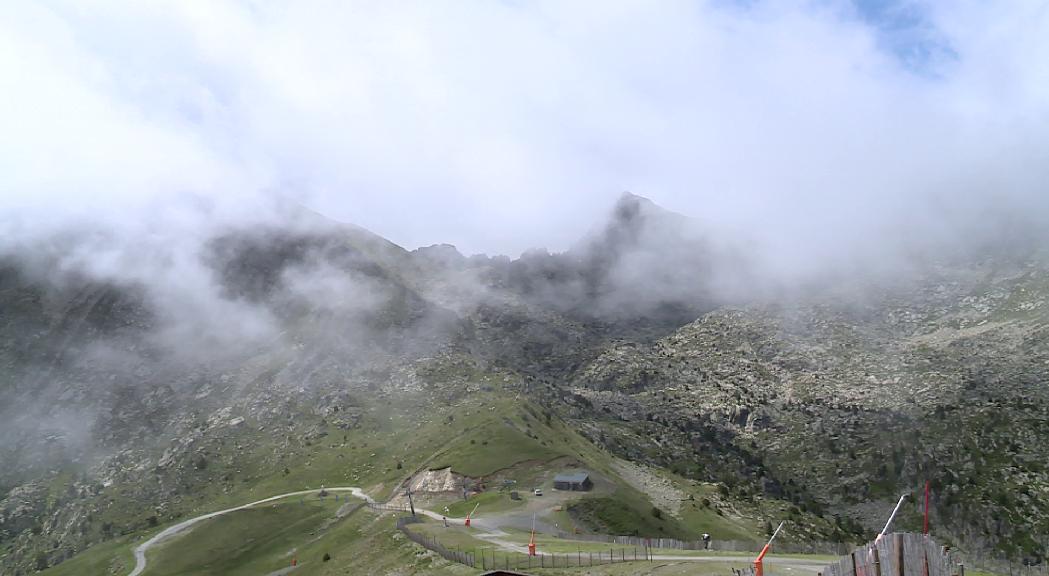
(326, 557)
(657, 512)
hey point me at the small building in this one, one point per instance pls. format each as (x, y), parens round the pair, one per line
(575, 481)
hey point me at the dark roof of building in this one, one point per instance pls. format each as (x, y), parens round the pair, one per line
(573, 477)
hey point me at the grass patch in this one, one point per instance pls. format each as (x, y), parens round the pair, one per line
(252, 541)
(699, 519)
(627, 513)
(114, 556)
(491, 447)
(486, 502)
(454, 537)
(368, 544)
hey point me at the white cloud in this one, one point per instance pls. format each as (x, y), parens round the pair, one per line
(503, 125)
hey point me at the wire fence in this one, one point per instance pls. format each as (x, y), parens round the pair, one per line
(897, 554)
(491, 559)
(827, 548)
(389, 507)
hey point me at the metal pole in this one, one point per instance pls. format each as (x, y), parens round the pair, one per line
(892, 517)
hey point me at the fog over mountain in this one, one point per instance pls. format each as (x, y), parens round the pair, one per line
(751, 244)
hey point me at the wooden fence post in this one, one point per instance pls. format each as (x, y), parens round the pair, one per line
(900, 560)
(877, 561)
(855, 572)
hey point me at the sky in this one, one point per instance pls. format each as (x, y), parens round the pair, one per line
(502, 126)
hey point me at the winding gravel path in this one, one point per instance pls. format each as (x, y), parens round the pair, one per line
(141, 549)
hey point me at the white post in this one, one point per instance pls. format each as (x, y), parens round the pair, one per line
(885, 530)
(778, 528)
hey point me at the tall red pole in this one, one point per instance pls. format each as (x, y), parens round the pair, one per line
(925, 528)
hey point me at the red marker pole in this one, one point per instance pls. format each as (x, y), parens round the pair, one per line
(531, 541)
(925, 527)
(471, 514)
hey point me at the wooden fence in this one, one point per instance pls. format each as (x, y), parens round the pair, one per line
(489, 559)
(899, 554)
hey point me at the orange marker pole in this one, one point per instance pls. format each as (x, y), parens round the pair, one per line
(531, 541)
(758, 567)
(471, 514)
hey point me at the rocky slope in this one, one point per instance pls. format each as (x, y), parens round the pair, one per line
(128, 401)
(838, 404)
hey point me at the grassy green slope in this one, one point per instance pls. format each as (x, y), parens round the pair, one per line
(252, 541)
(263, 540)
(113, 557)
(481, 432)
